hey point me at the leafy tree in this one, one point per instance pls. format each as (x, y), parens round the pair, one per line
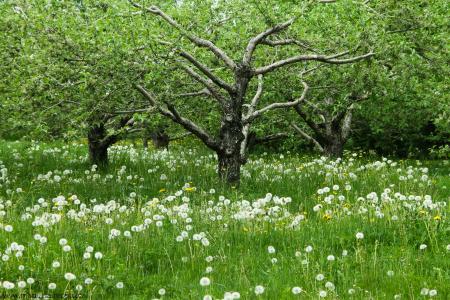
(74, 65)
(231, 142)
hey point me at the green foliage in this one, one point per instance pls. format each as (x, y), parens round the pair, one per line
(68, 63)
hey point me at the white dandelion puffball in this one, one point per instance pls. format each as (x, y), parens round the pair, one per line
(322, 294)
(119, 285)
(259, 289)
(296, 290)
(424, 291)
(69, 276)
(329, 285)
(320, 277)
(271, 249)
(359, 236)
(204, 281)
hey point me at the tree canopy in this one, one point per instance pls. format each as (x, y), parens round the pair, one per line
(70, 65)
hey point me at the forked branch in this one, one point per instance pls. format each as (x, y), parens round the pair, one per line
(175, 116)
(278, 105)
(254, 42)
(322, 58)
(219, 53)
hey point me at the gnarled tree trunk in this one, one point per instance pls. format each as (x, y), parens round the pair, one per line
(160, 139)
(99, 141)
(334, 147)
(231, 136)
(145, 142)
(229, 167)
(98, 145)
(231, 144)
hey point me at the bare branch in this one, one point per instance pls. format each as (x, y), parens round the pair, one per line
(277, 105)
(261, 37)
(153, 102)
(326, 59)
(251, 109)
(258, 94)
(288, 42)
(194, 39)
(307, 136)
(315, 127)
(131, 111)
(206, 83)
(207, 72)
(194, 128)
(203, 92)
(173, 114)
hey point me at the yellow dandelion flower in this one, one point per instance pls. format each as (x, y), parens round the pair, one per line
(327, 217)
(437, 218)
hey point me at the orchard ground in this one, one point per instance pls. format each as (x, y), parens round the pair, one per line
(158, 224)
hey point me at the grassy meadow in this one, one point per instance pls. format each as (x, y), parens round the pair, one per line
(158, 225)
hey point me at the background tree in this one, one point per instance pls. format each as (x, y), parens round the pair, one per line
(73, 68)
(70, 65)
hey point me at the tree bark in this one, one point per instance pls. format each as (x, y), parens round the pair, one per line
(229, 168)
(145, 142)
(160, 139)
(98, 143)
(98, 154)
(231, 137)
(334, 147)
